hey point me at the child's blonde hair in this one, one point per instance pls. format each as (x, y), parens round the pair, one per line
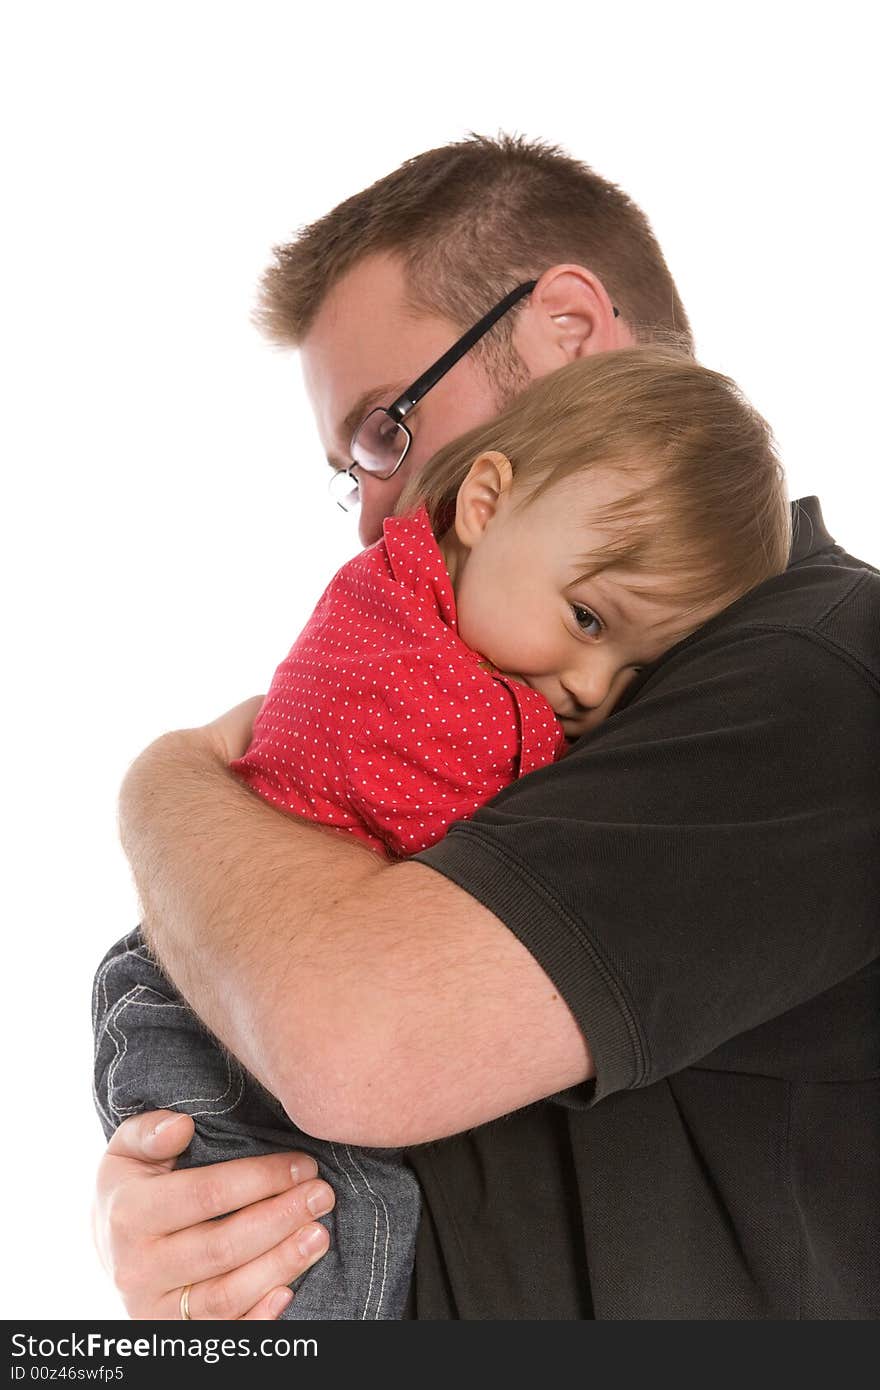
(707, 510)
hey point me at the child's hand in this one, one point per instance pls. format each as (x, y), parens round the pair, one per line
(231, 733)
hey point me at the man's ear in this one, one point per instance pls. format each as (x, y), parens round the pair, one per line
(568, 315)
(486, 485)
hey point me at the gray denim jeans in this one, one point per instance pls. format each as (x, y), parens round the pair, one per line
(152, 1053)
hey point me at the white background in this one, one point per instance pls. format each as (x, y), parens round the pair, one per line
(165, 524)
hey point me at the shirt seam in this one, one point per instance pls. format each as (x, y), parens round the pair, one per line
(861, 578)
(609, 978)
(819, 639)
(809, 634)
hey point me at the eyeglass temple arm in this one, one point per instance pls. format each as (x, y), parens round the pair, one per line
(404, 404)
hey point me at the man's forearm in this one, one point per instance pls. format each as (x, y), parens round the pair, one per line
(379, 1001)
(236, 894)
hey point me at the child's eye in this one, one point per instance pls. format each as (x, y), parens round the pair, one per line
(586, 621)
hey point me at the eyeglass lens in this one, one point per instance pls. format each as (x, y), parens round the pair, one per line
(344, 490)
(379, 444)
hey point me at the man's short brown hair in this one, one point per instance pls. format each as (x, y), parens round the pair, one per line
(470, 221)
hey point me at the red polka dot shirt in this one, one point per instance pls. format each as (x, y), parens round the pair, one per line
(381, 720)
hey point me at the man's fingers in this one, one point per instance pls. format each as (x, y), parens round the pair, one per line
(231, 733)
(216, 1248)
(215, 1228)
(269, 1308)
(239, 1293)
(193, 1195)
(157, 1136)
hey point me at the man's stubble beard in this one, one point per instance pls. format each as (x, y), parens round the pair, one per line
(506, 373)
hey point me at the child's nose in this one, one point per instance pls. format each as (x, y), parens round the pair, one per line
(591, 686)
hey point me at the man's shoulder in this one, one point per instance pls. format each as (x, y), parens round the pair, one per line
(799, 649)
(829, 599)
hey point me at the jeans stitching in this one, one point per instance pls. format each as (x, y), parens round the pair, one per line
(381, 1295)
(112, 1037)
(113, 1026)
(100, 985)
(354, 1187)
(101, 1038)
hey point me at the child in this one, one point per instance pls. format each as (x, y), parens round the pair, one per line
(535, 567)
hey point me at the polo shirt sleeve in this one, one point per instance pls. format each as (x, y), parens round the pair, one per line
(707, 860)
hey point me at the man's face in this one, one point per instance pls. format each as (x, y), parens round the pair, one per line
(365, 347)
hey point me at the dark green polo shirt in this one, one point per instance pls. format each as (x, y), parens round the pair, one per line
(700, 879)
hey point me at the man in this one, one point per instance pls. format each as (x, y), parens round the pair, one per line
(673, 933)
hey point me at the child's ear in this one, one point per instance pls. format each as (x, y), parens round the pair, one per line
(488, 481)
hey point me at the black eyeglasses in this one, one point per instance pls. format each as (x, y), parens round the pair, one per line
(381, 441)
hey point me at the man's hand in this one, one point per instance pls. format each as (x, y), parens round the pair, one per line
(230, 735)
(155, 1228)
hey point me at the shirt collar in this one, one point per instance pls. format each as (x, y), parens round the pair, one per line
(416, 561)
(808, 531)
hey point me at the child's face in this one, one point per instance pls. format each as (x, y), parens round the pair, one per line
(578, 642)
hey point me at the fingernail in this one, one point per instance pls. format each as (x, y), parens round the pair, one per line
(320, 1200)
(311, 1238)
(279, 1301)
(166, 1124)
(303, 1168)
